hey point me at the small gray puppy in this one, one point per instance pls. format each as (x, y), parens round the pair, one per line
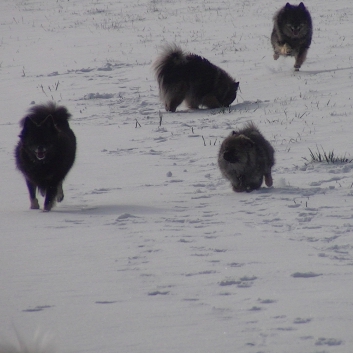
(245, 158)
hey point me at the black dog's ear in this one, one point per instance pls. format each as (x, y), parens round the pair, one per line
(61, 113)
(53, 123)
(26, 122)
(236, 85)
(301, 6)
(288, 5)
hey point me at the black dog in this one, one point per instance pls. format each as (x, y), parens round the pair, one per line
(292, 33)
(190, 77)
(46, 152)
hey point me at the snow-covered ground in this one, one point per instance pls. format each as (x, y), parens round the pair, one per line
(151, 251)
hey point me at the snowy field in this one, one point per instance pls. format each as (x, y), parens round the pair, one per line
(151, 251)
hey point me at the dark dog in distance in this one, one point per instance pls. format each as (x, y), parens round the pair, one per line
(292, 33)
(246, 158)
(191, 78)
(46, 152)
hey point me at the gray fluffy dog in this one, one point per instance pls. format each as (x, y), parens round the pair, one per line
(246, 158)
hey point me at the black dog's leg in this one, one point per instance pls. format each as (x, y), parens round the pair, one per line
(50, 197)
(268, 179)
(60, 193)
(211, 101)
(32, 195)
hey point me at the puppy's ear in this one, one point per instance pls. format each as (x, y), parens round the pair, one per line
(288, 6)
(301, 6)
(245, 142)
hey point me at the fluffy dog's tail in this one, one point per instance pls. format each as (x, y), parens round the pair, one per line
(171, 59)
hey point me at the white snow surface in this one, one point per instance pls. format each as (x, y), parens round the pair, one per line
(151, 251)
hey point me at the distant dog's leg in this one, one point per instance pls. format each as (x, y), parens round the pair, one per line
(32, 195)
(192, 103)
(60, 193)
(275, 44)
(277, 50)
(211, 101)
(50, 197)
(286, 50)
(300, 58)
(281, 49)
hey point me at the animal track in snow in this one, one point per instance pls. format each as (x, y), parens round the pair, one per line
(243, 282)
(328, 342)
(305, 274)
(299, 320)
(37, 308)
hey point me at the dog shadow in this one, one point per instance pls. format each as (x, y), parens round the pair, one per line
(317, 72)
(110, 210)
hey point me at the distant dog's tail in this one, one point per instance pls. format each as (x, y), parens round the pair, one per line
(169, 64)
(169, 61)
(170, 70)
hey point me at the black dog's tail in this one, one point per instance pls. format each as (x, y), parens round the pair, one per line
(168, 67)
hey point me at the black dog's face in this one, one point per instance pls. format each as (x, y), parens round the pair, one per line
(231, 94)
(38, 139)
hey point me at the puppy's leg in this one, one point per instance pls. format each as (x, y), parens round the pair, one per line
(300, 58)
(237, 188)
(268, 179)
(254, 184)
(60, 193)
(32, 195)
(238, 183)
